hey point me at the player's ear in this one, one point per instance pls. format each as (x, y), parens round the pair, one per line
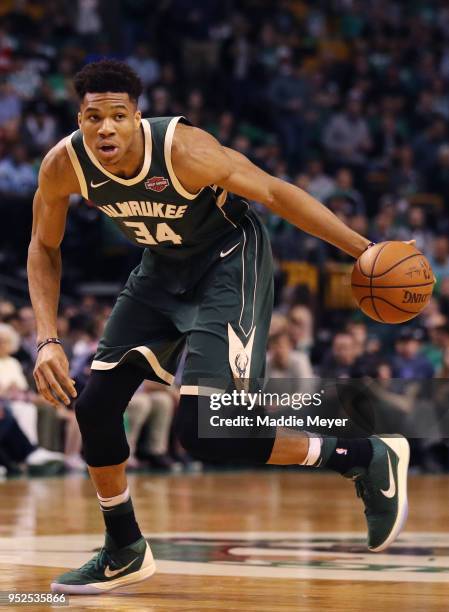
(137, 118)
(79, 119)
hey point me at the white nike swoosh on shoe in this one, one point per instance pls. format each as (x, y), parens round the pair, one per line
(110, 573)
(224, 253)
(95, 185)
(391, 491)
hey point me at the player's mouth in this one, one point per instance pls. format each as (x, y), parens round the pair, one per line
(107, 151)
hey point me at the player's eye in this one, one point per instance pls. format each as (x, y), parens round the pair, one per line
(93, 117)
(120, 116)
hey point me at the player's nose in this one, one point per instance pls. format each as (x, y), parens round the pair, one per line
(106, 128)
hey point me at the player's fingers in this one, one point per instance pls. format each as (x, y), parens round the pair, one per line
(54, 385)
(43, 388)
(66, 382)
(413, 242)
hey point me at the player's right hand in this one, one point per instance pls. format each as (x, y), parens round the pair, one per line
(51, 374)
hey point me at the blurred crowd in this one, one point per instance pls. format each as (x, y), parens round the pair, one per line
(348, 99)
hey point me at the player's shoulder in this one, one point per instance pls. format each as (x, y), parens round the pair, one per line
(190, 142)
(57, 160)
(57, 168)
(198, 158)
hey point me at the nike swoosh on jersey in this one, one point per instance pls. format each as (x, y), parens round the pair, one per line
(95, 185)
(111, 573)
(391, 491)
(224, 253)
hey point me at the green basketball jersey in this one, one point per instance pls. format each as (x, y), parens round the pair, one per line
(153, 209)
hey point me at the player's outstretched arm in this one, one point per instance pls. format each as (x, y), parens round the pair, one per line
(200, 160)
(56, 181)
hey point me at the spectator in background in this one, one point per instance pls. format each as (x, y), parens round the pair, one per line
(18, 176)
(346, 137)
(438, 175)
(24, 78)
(18, 412)
(340, 360)
(195, 108)
(387, 140)
(444, 298)
(405, 178)
(395, 403)
(428, 142)
(289, 96)
(359, 333)
(300, 329)
(321, 185)
(344, 188)
(416, 228)
(26, 326)
(13, 384)
(437, 340)
(407, 362)
(85, 346)
(58, 84)
(439, 260)
(224, 130)
(10, 105)
(382, 227)
(283, 362)
(88, 22)
(7, 310)
(160, 103)
(150, 412)
(278, 324)
(145, 64)
(39, 128)
(16, 449)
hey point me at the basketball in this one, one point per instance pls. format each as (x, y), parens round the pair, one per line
(392, 282)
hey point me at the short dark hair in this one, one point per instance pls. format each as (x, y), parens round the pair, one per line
(107, 75)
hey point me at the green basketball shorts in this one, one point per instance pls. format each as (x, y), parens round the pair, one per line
(223, 320)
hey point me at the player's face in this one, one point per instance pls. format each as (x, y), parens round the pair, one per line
(110, 124)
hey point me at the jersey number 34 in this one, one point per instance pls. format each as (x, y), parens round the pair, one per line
(142, 234)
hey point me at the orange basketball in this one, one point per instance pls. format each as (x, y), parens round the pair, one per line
(392, 282)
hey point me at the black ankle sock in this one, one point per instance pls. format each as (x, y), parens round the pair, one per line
(121, 523)
(350, 454)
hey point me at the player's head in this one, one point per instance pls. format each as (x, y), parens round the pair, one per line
(108, 117)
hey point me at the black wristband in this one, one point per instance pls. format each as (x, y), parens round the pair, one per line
(48, 341)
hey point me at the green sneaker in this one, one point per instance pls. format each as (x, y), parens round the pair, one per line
(109, 569)
(383, 489)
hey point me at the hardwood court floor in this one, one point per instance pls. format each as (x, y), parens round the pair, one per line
(263, 541)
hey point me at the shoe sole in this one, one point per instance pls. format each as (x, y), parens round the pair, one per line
(401, 448)
(97, 588)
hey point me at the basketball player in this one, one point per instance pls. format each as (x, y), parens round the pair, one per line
(205, 280)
